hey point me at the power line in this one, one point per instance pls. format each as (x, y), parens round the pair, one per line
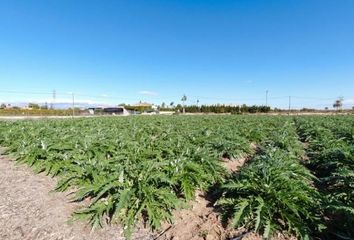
(54, 93)
(237, 99)
(313, 98)
(24, 92)
(304, 100)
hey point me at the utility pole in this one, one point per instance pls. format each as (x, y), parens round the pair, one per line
(289, 104)
(73, 106)
(266, 98)
(54, 97)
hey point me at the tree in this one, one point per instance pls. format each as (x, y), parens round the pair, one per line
(184, 99)
(45, 106)
(338, 104)
(3, 105)
(163, 105)
(33, 106)
(172, 104)
(178, 107)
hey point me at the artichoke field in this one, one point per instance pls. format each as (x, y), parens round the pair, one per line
(299, 177)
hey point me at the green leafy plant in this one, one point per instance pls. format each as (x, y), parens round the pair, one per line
(273, 193)
(139, 169)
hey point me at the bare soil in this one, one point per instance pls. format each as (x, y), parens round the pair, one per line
(200, 221)
(29, 209)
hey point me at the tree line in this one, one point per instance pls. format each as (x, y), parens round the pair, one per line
(218, 108)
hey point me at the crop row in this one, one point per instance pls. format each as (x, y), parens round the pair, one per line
(274, 191)
(331, 159)
(142, 168)
(132, 168)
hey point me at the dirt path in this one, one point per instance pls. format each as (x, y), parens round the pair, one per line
(30, 211)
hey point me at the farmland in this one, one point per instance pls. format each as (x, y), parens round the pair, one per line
(297, 177)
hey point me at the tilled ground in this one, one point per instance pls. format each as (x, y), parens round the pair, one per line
(201, 222)
(30, 210)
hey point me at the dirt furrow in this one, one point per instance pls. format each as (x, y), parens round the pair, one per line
(30, 210)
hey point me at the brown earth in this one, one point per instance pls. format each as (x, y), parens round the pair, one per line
(29, 209)
(200, 221)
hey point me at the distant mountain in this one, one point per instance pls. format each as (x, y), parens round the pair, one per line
(62, 105)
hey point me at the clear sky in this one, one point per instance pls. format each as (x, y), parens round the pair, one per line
(215, 51)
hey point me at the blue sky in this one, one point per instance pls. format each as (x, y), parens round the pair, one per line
(214, 51)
